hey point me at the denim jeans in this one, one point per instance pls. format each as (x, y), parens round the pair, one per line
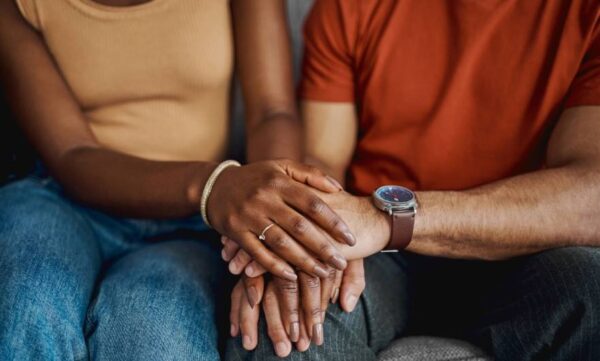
(79, 284)
(544, 306)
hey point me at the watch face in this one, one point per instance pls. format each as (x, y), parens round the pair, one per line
(394, 194)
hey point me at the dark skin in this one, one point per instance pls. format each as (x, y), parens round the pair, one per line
(127, 185)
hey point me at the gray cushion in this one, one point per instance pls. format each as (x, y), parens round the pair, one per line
(425, 348)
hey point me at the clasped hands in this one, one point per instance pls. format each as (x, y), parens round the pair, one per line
(311, 257)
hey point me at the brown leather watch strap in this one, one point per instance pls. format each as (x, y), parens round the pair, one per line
(402, 230)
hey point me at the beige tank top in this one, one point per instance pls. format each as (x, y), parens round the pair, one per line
(152, 79)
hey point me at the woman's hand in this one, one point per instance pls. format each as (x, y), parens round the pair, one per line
(245, 200)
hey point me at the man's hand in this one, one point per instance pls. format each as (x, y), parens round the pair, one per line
(294, 310)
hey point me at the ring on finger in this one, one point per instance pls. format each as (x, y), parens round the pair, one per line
(262, 236)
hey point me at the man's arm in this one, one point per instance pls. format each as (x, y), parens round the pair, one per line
(554, 207)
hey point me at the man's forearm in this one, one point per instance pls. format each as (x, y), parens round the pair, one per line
(520, 215)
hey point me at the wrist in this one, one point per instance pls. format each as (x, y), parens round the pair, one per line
(382, 228)
(195, 184)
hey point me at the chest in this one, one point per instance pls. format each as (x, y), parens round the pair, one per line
(158, 49)
(490, 59)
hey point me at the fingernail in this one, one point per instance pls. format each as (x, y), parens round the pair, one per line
(281, 349)
(233, 268)
(350, 239)
(339, 262)
(253, 296)
(233, 330)
(351, 302)
(321, 272)
(249, 270)
(336, 293)
(247, 342)
(335, 183)
(295, 331)
(302, 345)
(318, 334)
(290, 275)
(223, 255)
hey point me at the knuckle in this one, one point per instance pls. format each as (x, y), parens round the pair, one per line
(313, 282)
(300, 226)
(332, 273)
(315, 312)
(327, 250)
(288, 286)
(278, 241)
(315, 205)
(274, 182)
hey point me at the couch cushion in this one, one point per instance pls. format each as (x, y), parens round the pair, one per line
(424, 348)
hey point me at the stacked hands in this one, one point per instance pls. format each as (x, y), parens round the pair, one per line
(310, 256)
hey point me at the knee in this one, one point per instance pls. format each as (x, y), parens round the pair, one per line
(573, 275)
(171, 272)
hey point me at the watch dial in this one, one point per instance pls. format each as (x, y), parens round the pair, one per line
(395, 194)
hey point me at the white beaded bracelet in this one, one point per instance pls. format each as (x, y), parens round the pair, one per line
(209, 186)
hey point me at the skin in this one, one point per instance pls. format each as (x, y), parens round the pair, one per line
(126, 184)
(553, 207)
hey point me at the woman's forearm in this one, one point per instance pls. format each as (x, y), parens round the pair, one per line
(132, 186)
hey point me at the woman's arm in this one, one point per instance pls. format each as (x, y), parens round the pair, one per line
(243, 200)
(264, 65)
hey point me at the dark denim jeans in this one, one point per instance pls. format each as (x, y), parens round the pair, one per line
(79, 284)
(540, 307)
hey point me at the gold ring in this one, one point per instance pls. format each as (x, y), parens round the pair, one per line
(262, 235)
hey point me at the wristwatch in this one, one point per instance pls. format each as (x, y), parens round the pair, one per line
(401, 204)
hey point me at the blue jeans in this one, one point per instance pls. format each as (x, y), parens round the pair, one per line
(79, 284)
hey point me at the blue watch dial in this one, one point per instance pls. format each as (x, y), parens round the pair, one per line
(395, 194)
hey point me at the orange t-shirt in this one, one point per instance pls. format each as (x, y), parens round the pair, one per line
(451, 94)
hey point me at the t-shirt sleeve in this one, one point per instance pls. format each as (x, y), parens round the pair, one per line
(585, 88)
(329, 40)
(28, 9)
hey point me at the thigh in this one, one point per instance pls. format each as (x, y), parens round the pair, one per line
(49, 260)
(158, 303)
(544, 306)
(379, 317)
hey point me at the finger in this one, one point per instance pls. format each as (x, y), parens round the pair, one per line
(310, 293)
(272, 263)
(254, 288)
(287, 248)
(288, 297)
(275, 328)
(353, 285)
(304, 342)
(229, 250)
(336, 286)
(327, 285)
(310, 237)
(312, 176)
(249, 324)
(239, 262)
(254, 269)
(309, 204)
(234, 312)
